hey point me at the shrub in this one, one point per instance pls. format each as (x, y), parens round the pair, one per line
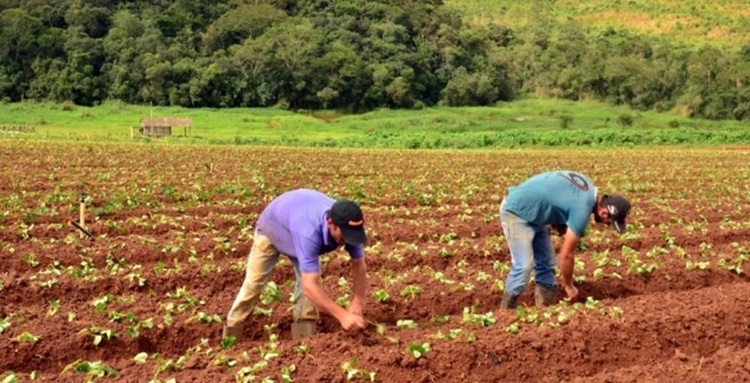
(565, 121)
(625, 119)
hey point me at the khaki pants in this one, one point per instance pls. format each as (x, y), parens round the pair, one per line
(260, 264)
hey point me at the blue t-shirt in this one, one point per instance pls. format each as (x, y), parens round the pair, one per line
(558, 198)
(295, 222)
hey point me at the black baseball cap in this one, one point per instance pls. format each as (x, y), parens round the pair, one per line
(618, 208)
(348, 217)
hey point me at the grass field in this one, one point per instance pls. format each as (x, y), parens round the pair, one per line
(521, 123)
(722, 22)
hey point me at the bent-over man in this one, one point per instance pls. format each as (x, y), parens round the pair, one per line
(302, 225)
(564, 200)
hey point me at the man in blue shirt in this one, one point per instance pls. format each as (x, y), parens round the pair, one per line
(564, 200)
(304, 224)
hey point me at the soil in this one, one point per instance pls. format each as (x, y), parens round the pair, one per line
(181, 218)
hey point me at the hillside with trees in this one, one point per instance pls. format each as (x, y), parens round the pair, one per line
(351, 55)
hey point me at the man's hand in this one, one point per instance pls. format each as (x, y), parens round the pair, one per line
(352, 322)
(571, 292)
(312, 290)
(355, 307)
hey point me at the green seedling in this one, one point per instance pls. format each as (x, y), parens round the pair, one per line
(228, 342)
(418, 350)
(381, 295)
(349, 368)
(27, 337)
(140, 358)
(93, 370)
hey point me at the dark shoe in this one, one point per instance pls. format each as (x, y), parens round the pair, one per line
(303, 328)
(509, 302)
(235, 331)
(545, 296)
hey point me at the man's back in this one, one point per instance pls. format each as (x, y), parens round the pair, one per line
(558, 197)
(301, 212)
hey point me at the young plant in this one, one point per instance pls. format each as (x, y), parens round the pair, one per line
(451, 335)
(411, 291)
(92, 369)
(207, 318)
(100, 334)
(286, 373)
(228, 342)
(271, 293)
(469, 316)
(513, 328)
(349, 368)
(380, 296)
(247, 374)
(134, 330)
(4, 324)
(406, 323)
(54, 306)
(418, 350)
(26, 337)
(140, 358)
(100, 304)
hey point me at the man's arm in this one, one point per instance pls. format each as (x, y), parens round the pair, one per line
(567, 261)
(359, 275)
(312, 290)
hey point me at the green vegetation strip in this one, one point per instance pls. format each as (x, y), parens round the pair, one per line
(521, 123)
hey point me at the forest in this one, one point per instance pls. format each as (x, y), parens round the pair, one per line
(348, 55)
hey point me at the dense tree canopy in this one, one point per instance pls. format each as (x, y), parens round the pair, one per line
(354, 55)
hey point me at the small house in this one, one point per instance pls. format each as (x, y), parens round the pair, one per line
(162, 126)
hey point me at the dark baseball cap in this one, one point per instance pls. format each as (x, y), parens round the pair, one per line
(618, 208)
(348, 217)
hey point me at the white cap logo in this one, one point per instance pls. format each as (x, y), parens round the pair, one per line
(612, 210)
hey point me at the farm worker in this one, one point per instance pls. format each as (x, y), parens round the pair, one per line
(563, 199)
(304, 224)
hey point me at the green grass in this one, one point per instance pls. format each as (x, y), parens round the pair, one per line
(522, 123)
(720, 22)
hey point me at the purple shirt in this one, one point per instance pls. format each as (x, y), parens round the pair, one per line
(295, 222)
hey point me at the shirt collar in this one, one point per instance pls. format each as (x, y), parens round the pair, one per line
(326, 233)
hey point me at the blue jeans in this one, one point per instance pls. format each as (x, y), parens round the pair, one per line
(527, 242)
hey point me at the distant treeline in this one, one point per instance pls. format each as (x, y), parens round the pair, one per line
(354, 55)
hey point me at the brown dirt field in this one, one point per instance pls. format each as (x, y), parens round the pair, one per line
(666, 302)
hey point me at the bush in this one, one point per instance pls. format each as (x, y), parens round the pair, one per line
(674, 124)
(625, 120)
(68, 106)
(565, 121)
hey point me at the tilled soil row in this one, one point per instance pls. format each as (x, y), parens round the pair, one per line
(727, 364)
(652, 331)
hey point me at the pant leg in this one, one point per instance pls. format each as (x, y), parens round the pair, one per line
(303, 306)
(544, 258)
(519, 234)
(260, 264)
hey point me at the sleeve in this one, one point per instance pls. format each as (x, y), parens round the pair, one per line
(578, 220)
(355, 252)
(307, 253)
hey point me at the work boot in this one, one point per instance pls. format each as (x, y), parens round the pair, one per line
(509, 302)
(303, 328)
(235, 331)
(545, 296)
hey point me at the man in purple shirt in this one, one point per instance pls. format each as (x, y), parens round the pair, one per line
(303, 224)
